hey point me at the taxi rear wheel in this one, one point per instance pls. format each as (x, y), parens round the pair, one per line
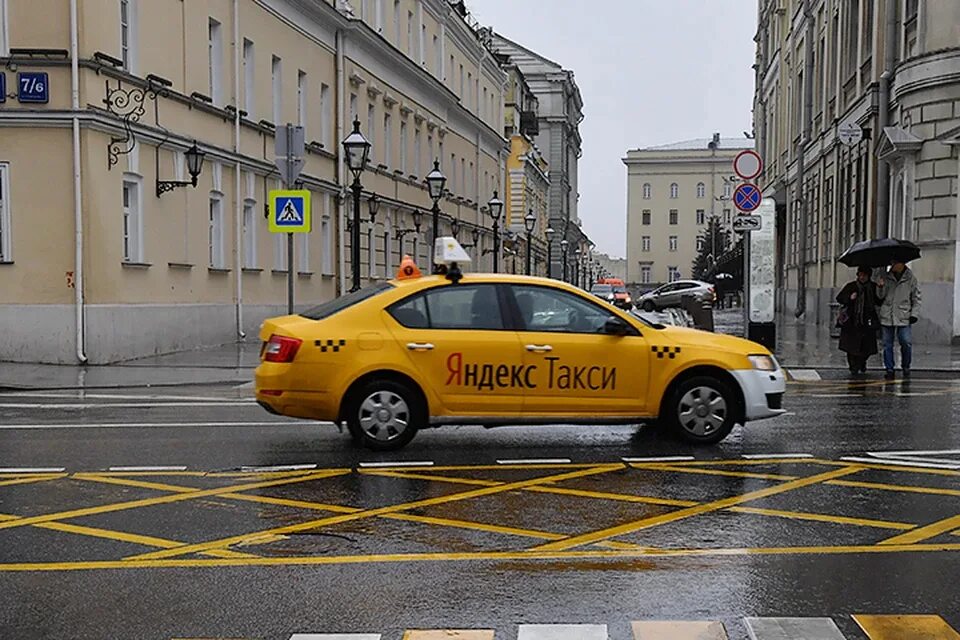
(384, 415)
(702, 410)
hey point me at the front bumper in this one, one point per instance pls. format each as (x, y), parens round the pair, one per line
(762, 392)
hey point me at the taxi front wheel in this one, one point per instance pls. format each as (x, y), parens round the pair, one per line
(701, 410)
(384, 415)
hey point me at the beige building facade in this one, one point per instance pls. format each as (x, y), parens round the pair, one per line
(672, 191)
(890, 69)
(101, 259)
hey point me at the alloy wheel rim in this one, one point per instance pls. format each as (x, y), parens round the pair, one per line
(702, 411)
(384, 416)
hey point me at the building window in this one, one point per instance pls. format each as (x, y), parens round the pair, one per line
(215, 232)
(910, 11)
(403, 147)
(437, 56)
(646, 217)
(463, 177)
(353, 108)
(6, 223)
(387, 140)
(453, 173)
(423, 45)
(430, 155)
(249, 234)
(727, 189)
(371, 135)
(132, 219)
(417, 153)
(701, 216)
(396, 22)
(462, 87)
(128, 33)
(673, 274)
(380, 15)
(673, 243)
(701, 190)
(371, 253)
(451, 67)
(674, 190)
(326, 116)
(645, 244)
(467, 102)
(645, 274)
(700, 242)
(302, 99)
(726, 216)
(646, 191)
(674, 216)
(215, 60)
(276, 81)
(410, 34)
(326, 239)
(303, 252)
(249, 79)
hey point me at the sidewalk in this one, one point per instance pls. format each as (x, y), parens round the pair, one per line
(807, 346)
(227, 364)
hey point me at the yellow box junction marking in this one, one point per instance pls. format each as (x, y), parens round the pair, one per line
(922, 627)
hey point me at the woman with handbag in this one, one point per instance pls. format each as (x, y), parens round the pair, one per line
(858, 320)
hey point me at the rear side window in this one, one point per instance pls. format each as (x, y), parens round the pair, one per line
(336, 305)
(451, 307)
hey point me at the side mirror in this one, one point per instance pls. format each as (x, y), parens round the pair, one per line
(614, 326)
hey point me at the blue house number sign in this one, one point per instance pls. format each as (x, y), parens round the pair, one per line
(32, 86)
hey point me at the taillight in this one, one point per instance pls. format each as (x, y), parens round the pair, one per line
(281, 349)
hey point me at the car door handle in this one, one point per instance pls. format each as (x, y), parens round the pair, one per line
(539, 348)
(419, 346)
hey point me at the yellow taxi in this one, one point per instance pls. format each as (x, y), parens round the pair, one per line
(494, 349)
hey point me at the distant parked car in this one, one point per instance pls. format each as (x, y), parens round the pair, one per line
(671, 294)
(613, 292)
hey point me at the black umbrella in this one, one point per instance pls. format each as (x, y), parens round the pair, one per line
(879, 253)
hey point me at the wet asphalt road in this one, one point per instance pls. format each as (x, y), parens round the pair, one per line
(268, 553)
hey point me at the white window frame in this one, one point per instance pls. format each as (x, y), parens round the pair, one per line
(674, 191)
(249, 234)
(396, 22)
(215, 256)
(672, 242)
(403, 147)
(131, 225)
(326, 238)
(410, 49)
(437, 55)
(302, 99)
(418, 151)
(215, 59)
(701, 216)
(388, 139)
(303, 253)
(6, 219)
(371, 135)
(701, 190)
(645, 274)
(276, 82)
(645, 244)
(128, 55)
(249, 78)
(371, 253)
(673, 274)
(647, 191)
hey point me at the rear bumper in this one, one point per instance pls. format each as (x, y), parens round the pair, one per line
(762, 392)
(276, 391)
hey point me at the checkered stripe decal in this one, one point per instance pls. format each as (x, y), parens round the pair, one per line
(670, 352)
(330, 345)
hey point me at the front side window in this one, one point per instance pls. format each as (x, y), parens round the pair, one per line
(474, 307)
(544, 309)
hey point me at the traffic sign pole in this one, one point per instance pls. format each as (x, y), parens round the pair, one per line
(289, 146)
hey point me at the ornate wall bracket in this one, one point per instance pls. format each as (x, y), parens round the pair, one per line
(128, 106)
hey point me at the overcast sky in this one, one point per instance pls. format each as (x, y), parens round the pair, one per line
(650, 71)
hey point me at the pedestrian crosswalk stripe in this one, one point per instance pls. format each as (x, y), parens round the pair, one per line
(449, 634)
(678, 630)
(925, 627)
(562, 632)
(793, 628)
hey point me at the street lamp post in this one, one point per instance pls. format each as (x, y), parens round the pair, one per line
(436, 182)
(496, 208)
(529, 222)
(576, 267)
(357, 151)
(549, 234)
(563, 251)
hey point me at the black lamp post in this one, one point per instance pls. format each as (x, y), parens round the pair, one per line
(576, 266)
(194, 158)
(374, 203)
(529, 222)
(496, 208)
(357, 151)
(436, 182)
(563, 251)
(549, 233)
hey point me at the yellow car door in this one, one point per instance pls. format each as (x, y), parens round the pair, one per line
(457, 337)
(583, 366)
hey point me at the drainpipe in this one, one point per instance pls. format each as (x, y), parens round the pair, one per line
(77, 193)
(341, 173)
(883, 118)
(238, 232)
(804, 139)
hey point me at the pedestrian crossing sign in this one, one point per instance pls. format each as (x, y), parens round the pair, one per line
(289, 211)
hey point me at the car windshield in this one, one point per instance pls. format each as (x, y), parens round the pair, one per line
(327, 309)
(601, 288)
(619, 289)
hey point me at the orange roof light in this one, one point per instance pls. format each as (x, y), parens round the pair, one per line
(408, 269)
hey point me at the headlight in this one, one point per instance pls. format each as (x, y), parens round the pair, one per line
(629, 299)
(763, 363)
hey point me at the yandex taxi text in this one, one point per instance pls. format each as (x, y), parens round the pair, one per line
(559, 376)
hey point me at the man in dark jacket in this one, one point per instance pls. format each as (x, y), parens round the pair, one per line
(899, 293)
(858, 334)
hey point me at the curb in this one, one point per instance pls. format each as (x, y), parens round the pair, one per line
(7, 387)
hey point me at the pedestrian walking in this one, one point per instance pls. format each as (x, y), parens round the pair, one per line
(899, 293)
(858, 320)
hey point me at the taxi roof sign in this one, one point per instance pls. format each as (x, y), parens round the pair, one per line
(408, 269)
(446, 250)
